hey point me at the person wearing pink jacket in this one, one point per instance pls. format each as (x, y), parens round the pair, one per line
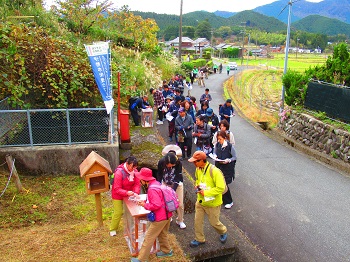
(160, 227)
(125, 184)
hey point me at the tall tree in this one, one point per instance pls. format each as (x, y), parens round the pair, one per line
(203, 30)
(142, 31)
(80, 15)
(188, 31)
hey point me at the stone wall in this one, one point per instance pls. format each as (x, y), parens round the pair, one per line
(318, 136)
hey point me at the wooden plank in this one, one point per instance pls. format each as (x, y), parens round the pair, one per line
(11, 165)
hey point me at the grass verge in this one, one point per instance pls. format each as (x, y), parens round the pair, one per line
(54, 219)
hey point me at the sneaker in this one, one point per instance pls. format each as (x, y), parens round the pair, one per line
(182, 225)
(223, 238)
(195, 243)
(159, 122)
(162, 254)
(134, 259)
(228, 206)
(113, 233)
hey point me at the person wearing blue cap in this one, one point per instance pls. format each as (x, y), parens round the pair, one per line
(213, 122)
(173, 111)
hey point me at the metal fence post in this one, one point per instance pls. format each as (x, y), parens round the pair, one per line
(111, 125)
(68, 128)
(30, 129)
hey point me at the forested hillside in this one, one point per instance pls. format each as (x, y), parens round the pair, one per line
(322, 25)
(169, 24)
(337, 9)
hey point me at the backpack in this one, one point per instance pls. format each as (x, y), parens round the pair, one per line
(111, 177)
(170, 197)
(211, 175)
(132, 100)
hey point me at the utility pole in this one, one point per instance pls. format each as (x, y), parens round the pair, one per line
(297, 50)
(286, 53)
(211, 43)
(243, 32)
(180, 31)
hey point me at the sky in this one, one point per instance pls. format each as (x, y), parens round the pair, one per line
(173, 6)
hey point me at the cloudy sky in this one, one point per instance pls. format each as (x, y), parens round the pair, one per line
(173, 6)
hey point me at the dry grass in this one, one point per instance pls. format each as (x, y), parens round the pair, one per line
(256, 95)
(55, 220)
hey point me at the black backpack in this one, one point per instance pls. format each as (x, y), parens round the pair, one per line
(132, 99)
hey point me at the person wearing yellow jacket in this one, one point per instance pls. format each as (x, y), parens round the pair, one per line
(210, 184)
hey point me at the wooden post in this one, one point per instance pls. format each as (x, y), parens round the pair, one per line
(99, 209)
(12, 168)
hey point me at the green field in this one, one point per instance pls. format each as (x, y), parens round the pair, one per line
(301, 62)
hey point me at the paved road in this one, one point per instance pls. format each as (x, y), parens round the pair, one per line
(293, 208)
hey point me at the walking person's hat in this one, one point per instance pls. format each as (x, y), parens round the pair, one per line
(198, 155)
(145, 174)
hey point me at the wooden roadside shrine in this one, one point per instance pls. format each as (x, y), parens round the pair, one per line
(95, 169)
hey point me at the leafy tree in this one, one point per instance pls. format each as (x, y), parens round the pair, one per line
(295, 85)
(80, 15)
(231, 52)
(142, 31)
(223, 32)
(203, 30)
(171, 32)
(337, 67)
(188, 31)
(39, 71)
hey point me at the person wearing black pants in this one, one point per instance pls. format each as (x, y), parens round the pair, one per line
(140, 103)
(226, 154)
(184, 127)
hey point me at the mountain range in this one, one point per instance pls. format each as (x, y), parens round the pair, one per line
(337, 9)
(330, 17)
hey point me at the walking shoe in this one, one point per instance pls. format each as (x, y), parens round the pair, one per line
(228, 206)
(162, 254)
(195, 243)
(134, 259)
(159, 122)
(113, 233)
(223, 238)
(182, 225)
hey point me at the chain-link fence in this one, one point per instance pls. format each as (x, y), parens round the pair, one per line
(54, 126)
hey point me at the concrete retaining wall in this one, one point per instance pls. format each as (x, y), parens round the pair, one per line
(57, 160)
(318, 136)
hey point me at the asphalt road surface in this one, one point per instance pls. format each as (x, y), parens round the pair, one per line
(292, 207)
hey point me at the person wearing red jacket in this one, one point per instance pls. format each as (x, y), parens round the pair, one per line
(125, 184)
(158, 228)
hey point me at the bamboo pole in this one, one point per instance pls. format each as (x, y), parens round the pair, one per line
(12, 168)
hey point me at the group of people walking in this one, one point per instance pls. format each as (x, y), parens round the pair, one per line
(209, 185)
(189, 126)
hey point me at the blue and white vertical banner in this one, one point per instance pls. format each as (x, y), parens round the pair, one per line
(100, 60)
